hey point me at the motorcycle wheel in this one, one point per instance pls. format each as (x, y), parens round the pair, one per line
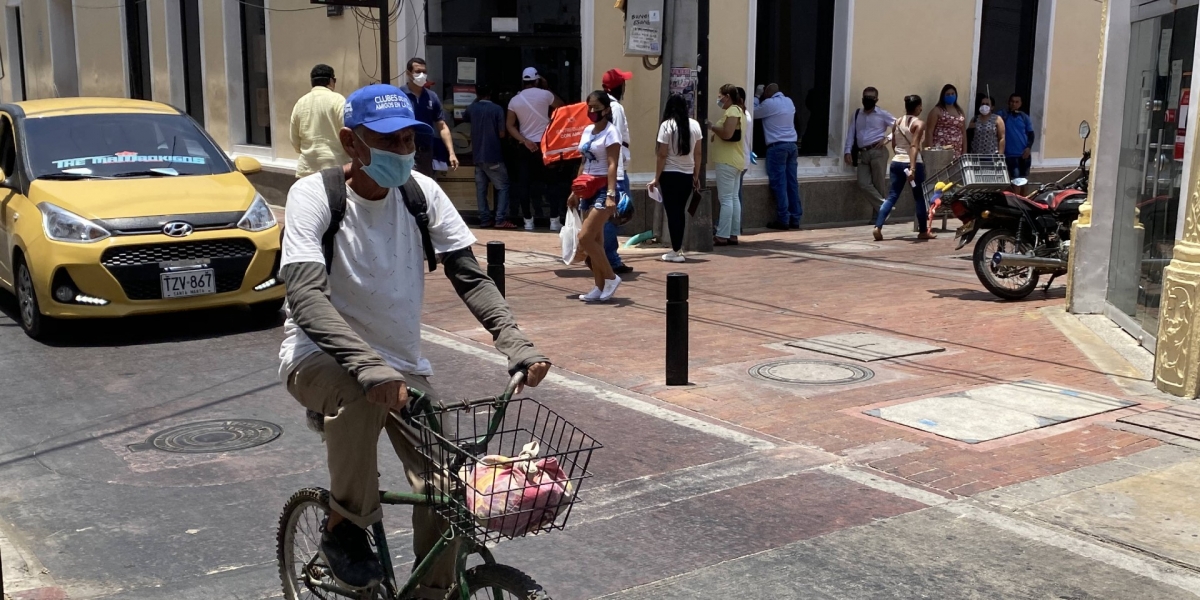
(1009, 283)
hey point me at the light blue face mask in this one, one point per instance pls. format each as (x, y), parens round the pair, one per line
(388, 169)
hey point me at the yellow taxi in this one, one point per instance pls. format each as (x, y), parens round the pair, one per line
(112, 207)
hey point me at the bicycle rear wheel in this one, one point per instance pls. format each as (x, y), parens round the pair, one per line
(500, 582)
(297, 541)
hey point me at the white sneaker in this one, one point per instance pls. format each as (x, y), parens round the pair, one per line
(555, 225)
(528, 224)
(591, 296)
(673, 257)
(610, 288)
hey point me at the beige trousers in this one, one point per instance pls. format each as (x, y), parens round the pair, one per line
(873, 174)
(352, 426)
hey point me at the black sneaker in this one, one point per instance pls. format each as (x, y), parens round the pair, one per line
(623, 269)
(777, 226)
(794, 226)
(348, 553)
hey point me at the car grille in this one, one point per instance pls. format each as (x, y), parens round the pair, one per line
(138, 267)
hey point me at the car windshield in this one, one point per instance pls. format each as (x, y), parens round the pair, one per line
(120, 145)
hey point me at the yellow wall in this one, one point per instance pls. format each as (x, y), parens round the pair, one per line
(922, 64)
(160, 79)
(99, 44)
(329, 40)
(216, 90)
(39, 73)
(1076, 38)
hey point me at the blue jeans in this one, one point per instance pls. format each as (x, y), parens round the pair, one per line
(899, 180)
(1018, 166)
(781, 172)
(610, 228)
(497, 175)
(729, 178)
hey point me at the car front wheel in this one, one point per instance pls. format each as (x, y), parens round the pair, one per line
(32, 321)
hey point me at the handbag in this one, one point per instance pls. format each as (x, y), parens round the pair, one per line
(569, 236)
(694, 202)
(587, 186)
(854, 150)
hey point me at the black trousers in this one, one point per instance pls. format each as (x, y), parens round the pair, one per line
(530, 188)
(676, 191)
(424, 164)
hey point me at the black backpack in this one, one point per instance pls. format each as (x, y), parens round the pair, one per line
(414, 200)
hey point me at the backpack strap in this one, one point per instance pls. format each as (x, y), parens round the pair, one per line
(335, 191)
(418, 207)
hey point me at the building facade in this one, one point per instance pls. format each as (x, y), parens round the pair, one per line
(237, 66)
(1136, 253)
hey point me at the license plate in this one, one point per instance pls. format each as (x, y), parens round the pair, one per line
(188, 283)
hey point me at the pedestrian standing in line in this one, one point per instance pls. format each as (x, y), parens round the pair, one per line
(907, 168)
(596, 189)
(1018, 138)
(747, 141)
(316, 121)
(777, 113)
(988, 128)
(947, 123)
(487, 129)
(868, 132)
(614, 83)
(729, 154)
(678, 169)
(528, 117)
(428, 108)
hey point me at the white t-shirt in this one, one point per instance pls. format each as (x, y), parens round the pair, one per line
(748, 137)
(595, 152)
(618, 119)
(532, 106)
(378, 278)
(668, 134)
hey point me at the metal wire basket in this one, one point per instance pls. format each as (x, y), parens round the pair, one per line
(971, 173)
(478, 479)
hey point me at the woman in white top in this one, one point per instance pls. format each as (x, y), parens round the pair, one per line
(907, 167)
(600, 146)
(678, 171)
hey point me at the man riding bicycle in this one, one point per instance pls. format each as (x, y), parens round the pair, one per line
(354, 265)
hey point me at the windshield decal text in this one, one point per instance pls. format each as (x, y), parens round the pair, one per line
(127, 158)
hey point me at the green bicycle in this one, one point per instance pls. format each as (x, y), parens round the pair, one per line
(457, 440)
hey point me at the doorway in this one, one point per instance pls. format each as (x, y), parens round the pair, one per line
(1149, 178)
(1006, 49)
(16, 49)
(137, 44)
(193, 81)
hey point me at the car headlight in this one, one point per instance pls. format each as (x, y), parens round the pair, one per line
(258, 217)
(65, 226)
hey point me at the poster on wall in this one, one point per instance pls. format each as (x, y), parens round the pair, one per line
(466, 69)
(684, 81)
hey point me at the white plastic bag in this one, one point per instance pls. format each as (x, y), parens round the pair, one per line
(570, 236)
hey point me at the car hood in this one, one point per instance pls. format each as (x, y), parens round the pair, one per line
(147, 197)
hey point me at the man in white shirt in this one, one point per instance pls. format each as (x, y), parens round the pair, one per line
(353, 334)
(528, 117)
(614, 83)
(316, 121)
(777, 114)
(869, 128)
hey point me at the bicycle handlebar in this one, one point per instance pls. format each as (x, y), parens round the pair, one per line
(418, 398)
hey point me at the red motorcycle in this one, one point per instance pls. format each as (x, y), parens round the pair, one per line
(1026, 236)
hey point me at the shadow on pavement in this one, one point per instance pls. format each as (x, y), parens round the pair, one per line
(977, 295)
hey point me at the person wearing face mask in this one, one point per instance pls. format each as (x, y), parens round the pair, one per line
(428, 108)
(353, 332)
(596, 189)
(987, 129)
(868, 131)
(1018, 139)
(729, 153)
(947, 123)
(527, 120)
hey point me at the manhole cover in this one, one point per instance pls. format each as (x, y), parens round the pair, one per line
(212, 436)
(849, 246)
(811, 372)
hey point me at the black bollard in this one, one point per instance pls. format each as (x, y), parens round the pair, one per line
(677, 329)
(495, 260)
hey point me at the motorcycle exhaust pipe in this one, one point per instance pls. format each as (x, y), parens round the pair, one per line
(1002, 259)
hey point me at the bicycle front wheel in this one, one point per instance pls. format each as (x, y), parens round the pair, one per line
(500, 582)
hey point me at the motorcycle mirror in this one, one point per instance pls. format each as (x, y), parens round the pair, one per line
(1085, 130)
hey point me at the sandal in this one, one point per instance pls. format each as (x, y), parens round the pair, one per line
(877, 233)
(927, 235)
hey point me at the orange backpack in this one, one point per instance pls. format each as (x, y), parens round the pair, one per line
(561, 140)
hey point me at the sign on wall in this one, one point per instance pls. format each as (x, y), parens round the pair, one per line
(643, 28)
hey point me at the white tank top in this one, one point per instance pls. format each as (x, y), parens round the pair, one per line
(903, 138)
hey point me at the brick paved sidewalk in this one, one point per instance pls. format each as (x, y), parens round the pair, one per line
(781, 286)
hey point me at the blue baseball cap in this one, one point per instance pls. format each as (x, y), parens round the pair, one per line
(382, 108)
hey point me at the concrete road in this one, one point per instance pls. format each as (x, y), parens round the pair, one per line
(679, 506)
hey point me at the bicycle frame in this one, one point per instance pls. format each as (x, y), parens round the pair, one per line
(421, 404)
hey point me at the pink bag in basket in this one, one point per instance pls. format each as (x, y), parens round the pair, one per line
(513, 496)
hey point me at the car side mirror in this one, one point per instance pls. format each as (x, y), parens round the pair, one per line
(1085, 130)
(247, 165)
